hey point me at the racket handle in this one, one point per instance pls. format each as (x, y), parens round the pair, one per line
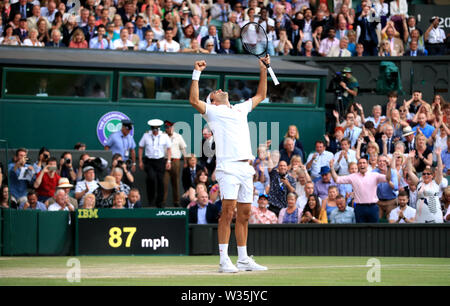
(273, 76)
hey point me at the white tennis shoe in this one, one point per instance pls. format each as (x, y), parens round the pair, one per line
(226, 266)
(249, 265)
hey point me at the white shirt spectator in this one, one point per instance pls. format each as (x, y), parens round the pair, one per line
(307, 31)
(119, 44)
(436, 36)
(165, 46)
(27, 42)
(400, 9)
(81, 186)
(409, 213)
(57, 207)
(326, 45)
(341, 167)
(320, 161)
(375, 122)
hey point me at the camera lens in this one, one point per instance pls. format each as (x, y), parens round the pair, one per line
(68, 161)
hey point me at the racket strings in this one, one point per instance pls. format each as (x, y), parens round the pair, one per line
(254, 38)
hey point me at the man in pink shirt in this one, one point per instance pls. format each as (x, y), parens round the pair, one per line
(260, 214)
(364, 185)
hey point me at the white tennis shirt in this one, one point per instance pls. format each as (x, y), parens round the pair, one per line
(231, 132)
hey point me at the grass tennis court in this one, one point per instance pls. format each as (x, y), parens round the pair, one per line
(202, 271)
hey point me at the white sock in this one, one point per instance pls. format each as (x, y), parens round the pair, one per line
(242, 252)
(223, 251)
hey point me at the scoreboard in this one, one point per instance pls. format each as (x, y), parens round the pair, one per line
(144, 231)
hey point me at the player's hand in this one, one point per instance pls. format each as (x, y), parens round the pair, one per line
(264, 61)
(200, 65)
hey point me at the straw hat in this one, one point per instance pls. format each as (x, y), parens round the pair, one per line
(108, 183)
(407, 131)
(64, 183)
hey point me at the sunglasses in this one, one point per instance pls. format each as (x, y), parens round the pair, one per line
(427, 173)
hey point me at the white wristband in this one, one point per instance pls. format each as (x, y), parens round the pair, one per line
(196, 75)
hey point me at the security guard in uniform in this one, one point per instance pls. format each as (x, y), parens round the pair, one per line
(153, 147)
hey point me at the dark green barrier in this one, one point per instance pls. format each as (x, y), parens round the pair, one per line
(20, 232)
(399, 240)
(55, 233)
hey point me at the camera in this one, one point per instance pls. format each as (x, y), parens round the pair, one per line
(67, 161)
(121, 162)
(283, 176)
(96, 163)
(46, 156)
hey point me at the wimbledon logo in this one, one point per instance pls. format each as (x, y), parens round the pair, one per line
(110, 123)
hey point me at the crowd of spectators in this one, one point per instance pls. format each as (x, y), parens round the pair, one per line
(54, 184)
(391, 166)
(339, 28)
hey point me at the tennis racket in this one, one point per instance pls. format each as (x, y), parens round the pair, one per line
(255, 41)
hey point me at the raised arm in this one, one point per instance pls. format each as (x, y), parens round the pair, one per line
(438, 173)
(261, 93)
(333, 172)
(196, 103)
(411, 173)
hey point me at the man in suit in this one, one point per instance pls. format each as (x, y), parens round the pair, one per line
(368, 38)
(23, 7)
(408, 135)
(226, 47)
(134, 199)
(414, 49)
(128, 12)
(189, 172)
(21, 31)
(306, 25)
(56, 40)
(140, 28)
(397, 48)
(340, 50)
(203, 212)
(387, 139)
(294, 36)
(212, 34)
(90, 30)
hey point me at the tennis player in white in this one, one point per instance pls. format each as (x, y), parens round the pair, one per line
(233, 172)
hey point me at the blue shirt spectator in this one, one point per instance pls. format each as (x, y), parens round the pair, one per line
(343, 214)
(32, 203)
(384, 190)
(122, 142)
(322, 185)
(445, 155)
(427, 130)
(20, 175)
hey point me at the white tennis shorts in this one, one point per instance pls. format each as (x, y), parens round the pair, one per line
(236, 181)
